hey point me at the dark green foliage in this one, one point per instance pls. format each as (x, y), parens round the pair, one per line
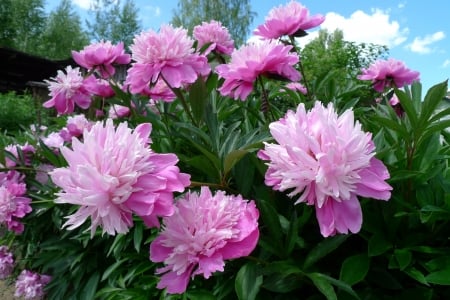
(17, 112)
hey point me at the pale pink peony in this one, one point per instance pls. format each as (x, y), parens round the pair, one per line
(168, 53)
(6, 262)
(250, 61)
(66, 90)
(54, 140)
(30, 285)
(216, 35)
(13, 204)
(101, 57)
(389, 73)
(204, 231)
(112, 174)
(118, 111)
(74, 127)
(27, 152)
(329, 161)
(297, 87)
(292, 19)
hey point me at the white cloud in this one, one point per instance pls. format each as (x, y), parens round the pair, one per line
(422, 45)
(154, 10)
(367, 28)
(446, 63)
(84, 4)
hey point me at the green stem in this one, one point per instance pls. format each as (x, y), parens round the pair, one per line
(182, 100)
(302, 69)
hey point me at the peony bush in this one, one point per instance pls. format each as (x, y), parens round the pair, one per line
(157, 183)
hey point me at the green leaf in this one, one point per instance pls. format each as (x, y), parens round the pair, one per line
(408, 106)
(271, 222)
(323, 285)
(378, 245)
(284, 267)
(248, 282)
(232, 158)
(403, 257)
(198, 97)
(323, 248)
(354, 268)
(91, 287)
(439, 277)
(433, 97)
(138, 235)
(200, 295)
(112, 268)
(417, 275)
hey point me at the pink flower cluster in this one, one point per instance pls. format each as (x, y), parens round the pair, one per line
(216, 35)
(329, 161)
(165, 55)
(6, 262)
(113, 173)
(292, 19)
(13, 204)
(101, 56)
(30, 285)
(204, 231)
(253, 60)
(388, 74)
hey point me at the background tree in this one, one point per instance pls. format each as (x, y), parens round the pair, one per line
(114, 22)
(63, 32)
(24, 23)
(235, 15)
(332, 60)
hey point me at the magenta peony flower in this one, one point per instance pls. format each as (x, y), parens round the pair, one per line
(112, 174)
(31, 285)
(214, 33)
(6, 262)
(99, 87)
(253, 60)
(204, 231)
(167, 53)
(13, 204)
(292, 19)
(101, 56)
(75, 127)
(118, 111)
(389, 73)
(330, 161)
(67, 90)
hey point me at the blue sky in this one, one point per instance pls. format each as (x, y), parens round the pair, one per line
(416, 32)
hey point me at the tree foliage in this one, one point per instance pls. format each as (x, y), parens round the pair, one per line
(63, 32)
(235, 15)
(331, 56)
(26, 27)
(115, 21)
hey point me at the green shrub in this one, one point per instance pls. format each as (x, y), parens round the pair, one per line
(16, 111)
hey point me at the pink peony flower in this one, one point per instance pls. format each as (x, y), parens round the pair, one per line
(389, 73)
(6, 262)
(67, 90)
(297, 87)
(204, 231)
(31, 285)
(292, 19)
(330, 161)
(167, 53)
(27, 151)
(53, 140)
(112, 174)
(99, 87)
(101, 56)
(118, 111)
(253, 60)
(75, 127)
(215, 34)
(13, 204)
